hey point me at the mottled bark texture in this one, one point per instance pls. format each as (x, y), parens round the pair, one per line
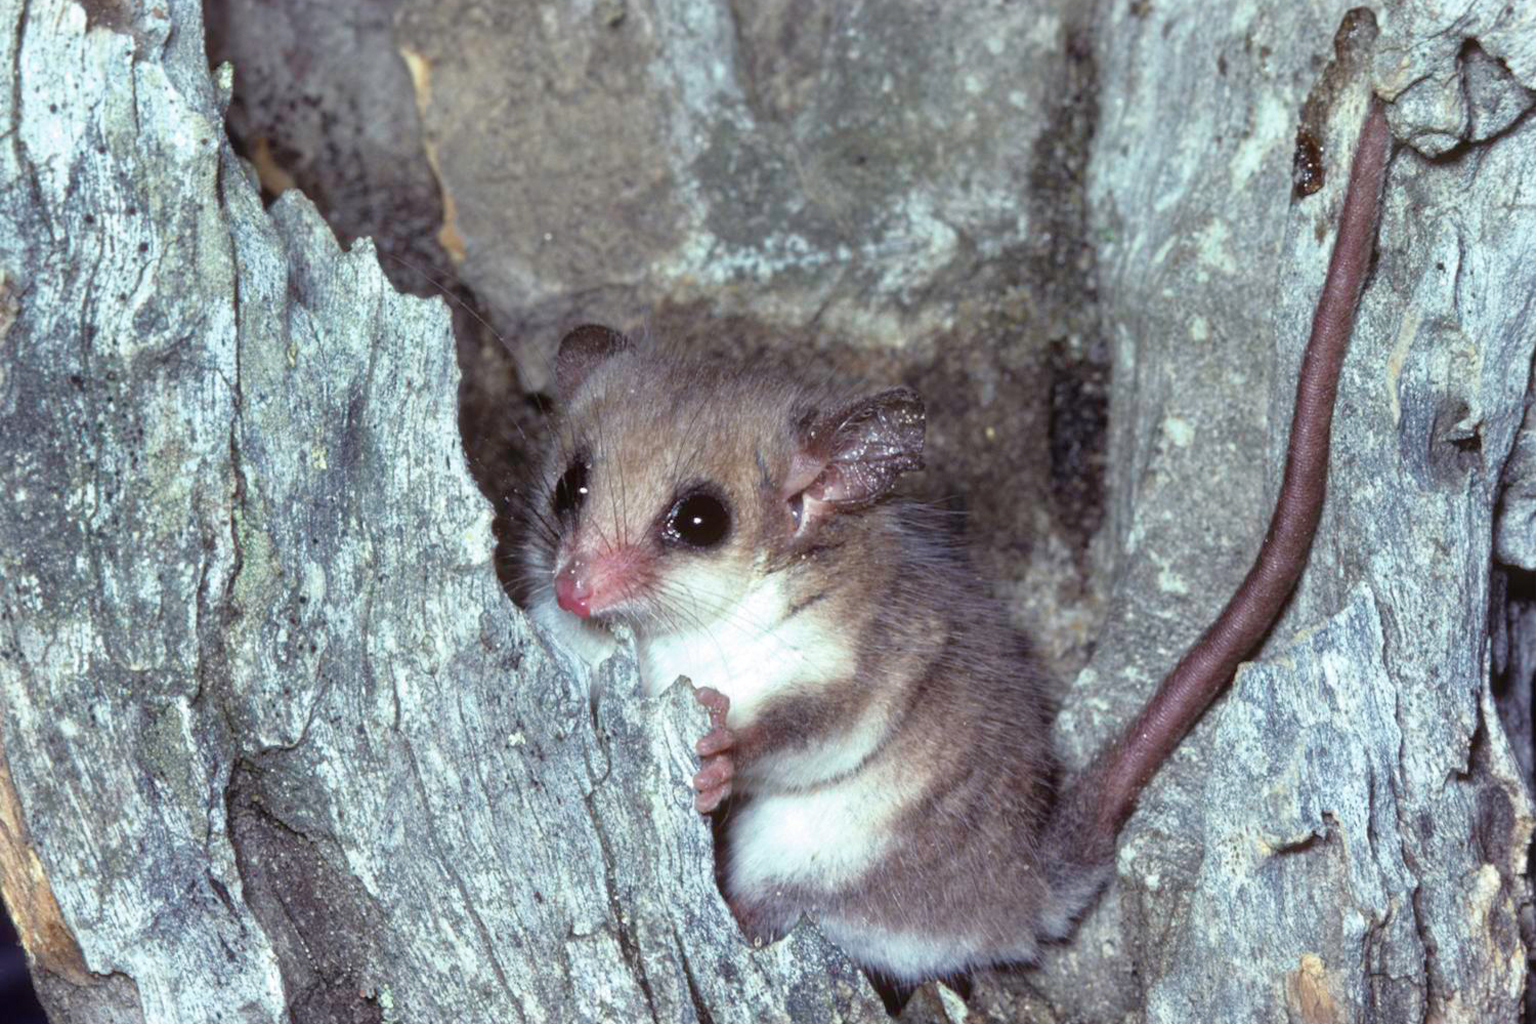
(275, 744)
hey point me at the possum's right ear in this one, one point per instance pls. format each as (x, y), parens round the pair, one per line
(581, 351)
(851, 458)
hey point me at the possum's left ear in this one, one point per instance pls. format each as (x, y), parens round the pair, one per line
(581, 350)
(851, 458)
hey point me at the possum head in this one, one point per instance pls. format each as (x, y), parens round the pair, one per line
(674, 484)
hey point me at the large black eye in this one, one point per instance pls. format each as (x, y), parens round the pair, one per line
(698, 520)
(571, 490)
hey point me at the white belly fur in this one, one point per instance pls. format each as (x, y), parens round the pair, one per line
(916, 956)
(825, 839)
(747, 651)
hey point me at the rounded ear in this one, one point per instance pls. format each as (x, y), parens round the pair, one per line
(581, 350)
(857, 453)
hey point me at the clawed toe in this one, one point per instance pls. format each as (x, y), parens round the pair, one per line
(713, 781)
(715, 741)
(716, 702)
(717, 772)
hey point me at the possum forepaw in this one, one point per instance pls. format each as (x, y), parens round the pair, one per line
(716, 769)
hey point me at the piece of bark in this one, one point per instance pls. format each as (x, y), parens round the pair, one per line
(1345, 834)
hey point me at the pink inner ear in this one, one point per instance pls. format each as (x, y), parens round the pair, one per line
(804, 468)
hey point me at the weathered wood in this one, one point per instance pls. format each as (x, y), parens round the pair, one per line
(1344, 836)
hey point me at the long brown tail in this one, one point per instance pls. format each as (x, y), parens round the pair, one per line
(1100, 801)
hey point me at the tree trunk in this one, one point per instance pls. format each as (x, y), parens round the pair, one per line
(275, 745)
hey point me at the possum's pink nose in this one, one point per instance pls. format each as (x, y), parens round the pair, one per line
(591, 583)
(573, 593)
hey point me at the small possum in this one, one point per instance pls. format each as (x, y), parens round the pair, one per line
(881, 730)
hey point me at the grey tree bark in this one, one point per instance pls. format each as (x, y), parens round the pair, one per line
(275, 746)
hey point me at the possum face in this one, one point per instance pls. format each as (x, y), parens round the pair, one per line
(676, 485)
